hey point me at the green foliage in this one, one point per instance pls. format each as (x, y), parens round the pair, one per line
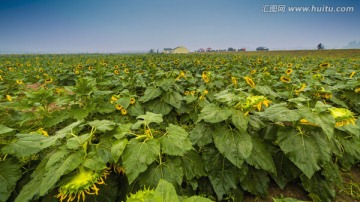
(9, 175)
(188, 124)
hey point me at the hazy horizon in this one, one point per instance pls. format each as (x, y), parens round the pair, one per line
(110, 26)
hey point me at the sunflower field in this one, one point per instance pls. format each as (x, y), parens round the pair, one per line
(195, 127)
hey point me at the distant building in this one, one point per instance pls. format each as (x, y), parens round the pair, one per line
(167, 50)
(201, 50)
(179, 49)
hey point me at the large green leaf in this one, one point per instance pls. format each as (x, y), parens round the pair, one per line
(202, 134)
(6, 131)
(121, 130)
(240, 120)
(260, 156)
(63, 167)
(223, 175)
(173, 98)
(324, 120)
(266, 90)
(29, 144)
(175, 141)
(10, 173)
(44, 179)
(286, 170)
(169, 170)
(94, 161)
(320, 189)
(159, 106)
(56, 118)
(77, 141)
(124, 101)
(146, 119)
(214, 114)
(256, 182)
(279, 113)
(151, 93)
(102, 125)
(137, 156)
(234, 145)
(165, 191)
(306, 151)
(118, 148)
(32, 188)
(81, 113)
(193, 165)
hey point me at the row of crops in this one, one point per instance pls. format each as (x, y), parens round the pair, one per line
(197, 127)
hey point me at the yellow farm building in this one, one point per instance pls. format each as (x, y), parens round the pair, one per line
(179, 49)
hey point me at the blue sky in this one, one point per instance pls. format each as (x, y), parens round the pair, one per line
(65, 26)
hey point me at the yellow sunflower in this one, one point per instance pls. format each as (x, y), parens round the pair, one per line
(126, 71)
(285, 79)
(9, 98)
(352, 74)
(84, 182)
(19, 82)
(357, 90)
(324, 65)
(253, 102)
(118, 107)
(249, 81)
(288, 71)
(48, 80)
(342, 116)
(234, 81)
(306, 122)
(123, 111)
(132, 101)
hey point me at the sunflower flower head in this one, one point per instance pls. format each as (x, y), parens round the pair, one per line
(19, 82)
(288, 71)
(48, 80)
(205, 76)
(9, 98)
(324, 65)
(357, 90)
(323, 94)
(123, 111)
(285, 79)
(81, 184)
(43, 132)
(301, 89)
(132, 101)
(113, 99)
(352, 75)
(306, 122)
(255, 102)
(234, 81)
(118, 107)
(342, 116)
(249, 81)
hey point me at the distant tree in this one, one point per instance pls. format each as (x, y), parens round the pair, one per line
(230, 49)
(320, 46)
